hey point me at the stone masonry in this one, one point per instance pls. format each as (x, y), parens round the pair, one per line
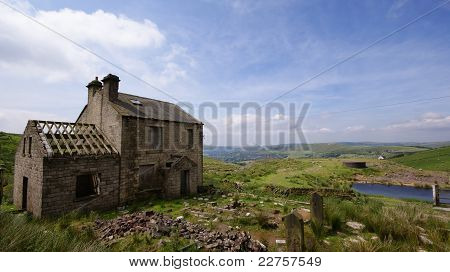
(121, 148)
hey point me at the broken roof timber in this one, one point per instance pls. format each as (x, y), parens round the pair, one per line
(73, 139)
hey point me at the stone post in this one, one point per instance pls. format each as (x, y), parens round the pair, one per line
(436, 201)
(317, 208)
(295, 233)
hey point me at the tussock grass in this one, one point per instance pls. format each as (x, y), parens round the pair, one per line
(397, 224)
(22, 233)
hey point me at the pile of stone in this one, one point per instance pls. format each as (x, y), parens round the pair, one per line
(159, 225)
(234, 205)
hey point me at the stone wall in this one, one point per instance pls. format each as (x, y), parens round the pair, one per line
(59, 184)
(172, 186)
(137, 151)
(100, 112)
(30, 165)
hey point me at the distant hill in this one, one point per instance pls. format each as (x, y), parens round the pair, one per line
(437, 159)
(318, 150)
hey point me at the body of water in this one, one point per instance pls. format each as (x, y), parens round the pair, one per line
(402, 192)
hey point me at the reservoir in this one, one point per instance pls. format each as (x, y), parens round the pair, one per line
(401, 192)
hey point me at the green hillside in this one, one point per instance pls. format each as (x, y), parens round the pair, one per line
(436, 159)
(332, 150)
(8, 145)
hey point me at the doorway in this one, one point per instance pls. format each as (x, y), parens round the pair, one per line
(24, 193)
(184, 179)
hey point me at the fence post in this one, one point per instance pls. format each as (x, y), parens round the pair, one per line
(436, 201)
(295, 233)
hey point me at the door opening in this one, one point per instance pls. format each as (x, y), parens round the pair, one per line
(184, 183)
(24, 193)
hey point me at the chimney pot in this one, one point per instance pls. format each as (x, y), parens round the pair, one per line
(111, 86)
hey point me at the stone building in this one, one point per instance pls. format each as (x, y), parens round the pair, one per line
(121, 148)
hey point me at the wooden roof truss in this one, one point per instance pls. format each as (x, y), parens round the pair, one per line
(73, 139)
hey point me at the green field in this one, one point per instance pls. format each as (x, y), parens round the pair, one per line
(390, 224)
(437, 159)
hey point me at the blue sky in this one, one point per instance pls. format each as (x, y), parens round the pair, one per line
(242, 51)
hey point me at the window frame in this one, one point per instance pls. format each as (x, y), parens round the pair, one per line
(190, 138)
(30, 145)
(149, 138)
(95, 185)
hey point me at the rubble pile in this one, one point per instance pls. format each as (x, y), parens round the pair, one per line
(158, 225)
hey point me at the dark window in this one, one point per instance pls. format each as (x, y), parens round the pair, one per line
(154, 137)
(30, 141)
(87, 185)
(24, 147)
(190, 138)
(200, 137)
(148, 178)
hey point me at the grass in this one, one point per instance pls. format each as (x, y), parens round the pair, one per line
(396, 223)
(317, 173)
(21, 233)
(437, 159)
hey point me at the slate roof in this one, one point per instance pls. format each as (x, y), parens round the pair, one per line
(72, 139)
(151, 108)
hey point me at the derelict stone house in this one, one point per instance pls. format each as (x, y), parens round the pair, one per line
(121, 148)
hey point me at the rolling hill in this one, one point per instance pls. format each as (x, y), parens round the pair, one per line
(437, 159)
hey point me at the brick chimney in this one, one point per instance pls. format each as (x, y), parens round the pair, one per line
(111, 87)
(93, 87)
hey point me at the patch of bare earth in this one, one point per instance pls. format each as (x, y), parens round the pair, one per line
(403, 175)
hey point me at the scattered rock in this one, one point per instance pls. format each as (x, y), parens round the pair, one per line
(247, 214)
(236, 204)
(280, 241)
(355, 225)
(425, 240)
(159, 225)
(180, 217)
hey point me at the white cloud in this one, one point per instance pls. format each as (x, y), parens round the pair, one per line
(29, 50)
(354, 128)
(102, 28)
(395, 10)
(318, 130)
(428, 121)
(14, 120)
